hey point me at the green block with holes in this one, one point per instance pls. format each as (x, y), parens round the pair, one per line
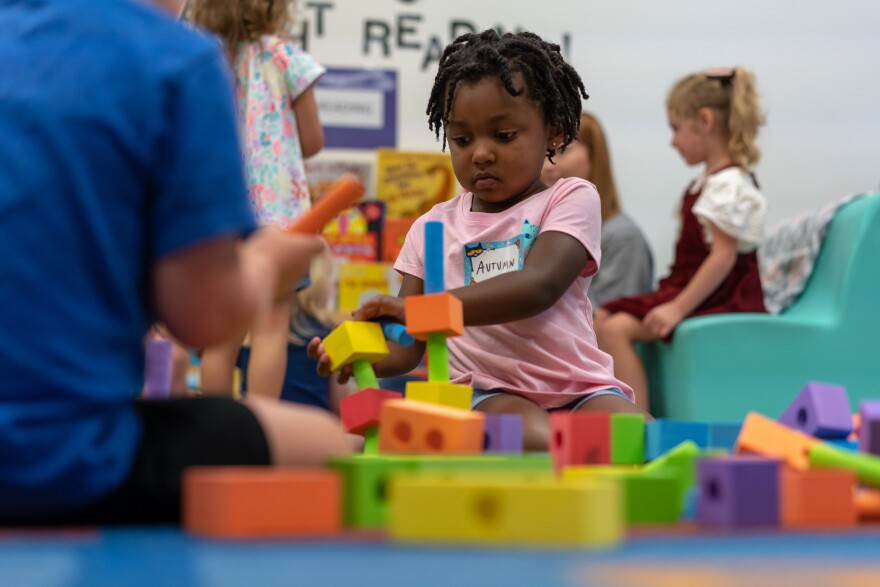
(364, 482)
(366, 477)
(627, 439)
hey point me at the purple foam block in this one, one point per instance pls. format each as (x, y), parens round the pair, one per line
(737, 492)
(821, 410)
(157, 369)
(504, 433)
(869, 429)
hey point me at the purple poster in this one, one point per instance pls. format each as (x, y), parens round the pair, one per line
(358, 108)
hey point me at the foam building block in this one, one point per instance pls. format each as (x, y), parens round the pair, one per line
(844, 444)
(434, 313)
(723, 435)
(157, 369)
(352, 340)
(821, 410)
(869, 426)
(414, 427)
(487, 510)
(857, 426)
(366, 478)
(661, 435)
(261, 502)
(627, 439)
(817, 498)
(362, 410)
(763, 436)
(738, 492)
(452, 395)
(868, 504)
(580, 438)
(866, 466)
(503, 433)
(681, 463)
(648, 499)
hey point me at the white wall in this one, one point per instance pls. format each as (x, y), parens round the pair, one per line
(817, 63)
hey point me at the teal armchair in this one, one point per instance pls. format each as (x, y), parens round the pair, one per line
(717, 368)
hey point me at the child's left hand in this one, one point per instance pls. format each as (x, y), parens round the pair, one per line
(663, 319)
(380, 306)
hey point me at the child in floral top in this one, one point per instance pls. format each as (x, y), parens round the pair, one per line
(280, 127)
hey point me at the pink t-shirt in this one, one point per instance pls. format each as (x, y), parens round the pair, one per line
(551, 358)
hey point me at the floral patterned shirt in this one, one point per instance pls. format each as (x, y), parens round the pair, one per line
(272, 73)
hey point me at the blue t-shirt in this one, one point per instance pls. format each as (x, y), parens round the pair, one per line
(117, 147)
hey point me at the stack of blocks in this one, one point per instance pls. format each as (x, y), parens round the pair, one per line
(434, 471)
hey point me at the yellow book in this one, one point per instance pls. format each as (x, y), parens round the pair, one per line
(411, 183)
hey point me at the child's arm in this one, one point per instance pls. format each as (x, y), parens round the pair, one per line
(722, 257)
(400, 360)
(308, 123)
(211, 292)
(554, 262)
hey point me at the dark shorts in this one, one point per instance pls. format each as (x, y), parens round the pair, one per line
(178, 433)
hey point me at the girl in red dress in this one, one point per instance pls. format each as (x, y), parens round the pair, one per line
(715, 118)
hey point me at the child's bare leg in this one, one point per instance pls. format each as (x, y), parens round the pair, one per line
(616, 336)
(536, 422)
(218, 366)
(614, 404)
(299, 435)
(268, 362)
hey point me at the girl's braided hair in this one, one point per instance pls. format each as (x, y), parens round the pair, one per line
(549, 80)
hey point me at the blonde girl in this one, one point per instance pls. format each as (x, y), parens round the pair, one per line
(714, 116)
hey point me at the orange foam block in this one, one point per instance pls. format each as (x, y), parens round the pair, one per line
(440, 313)
(761, 435)
(261, 502)
(868, 504)
(341, 194)
(817, 498)
(415, 427)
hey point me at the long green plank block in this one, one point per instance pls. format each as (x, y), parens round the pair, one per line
(365, 478)
(865, 466)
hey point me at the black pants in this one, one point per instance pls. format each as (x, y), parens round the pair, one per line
(178, 433)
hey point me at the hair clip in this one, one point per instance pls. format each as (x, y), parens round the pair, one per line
(724, 75)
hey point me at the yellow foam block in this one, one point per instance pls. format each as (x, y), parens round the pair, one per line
(352, 340)
(452, 395)
(414, 427)
(528, 510)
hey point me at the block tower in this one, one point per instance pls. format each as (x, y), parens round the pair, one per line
(432, 318)
(360, 344)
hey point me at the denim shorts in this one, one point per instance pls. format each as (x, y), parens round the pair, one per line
(481, 395)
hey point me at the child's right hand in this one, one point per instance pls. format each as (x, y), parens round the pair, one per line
(381, 306)
(315, 350)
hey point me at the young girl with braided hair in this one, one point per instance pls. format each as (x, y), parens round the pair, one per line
(715, 118)
(518, 254)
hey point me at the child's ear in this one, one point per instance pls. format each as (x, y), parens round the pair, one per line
(706, 119)
(555, 137)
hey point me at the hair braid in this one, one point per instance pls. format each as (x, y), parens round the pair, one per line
(549, 80)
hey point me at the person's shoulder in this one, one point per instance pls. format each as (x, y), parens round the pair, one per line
(572, 189)
(150, 38)
(731, 176)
